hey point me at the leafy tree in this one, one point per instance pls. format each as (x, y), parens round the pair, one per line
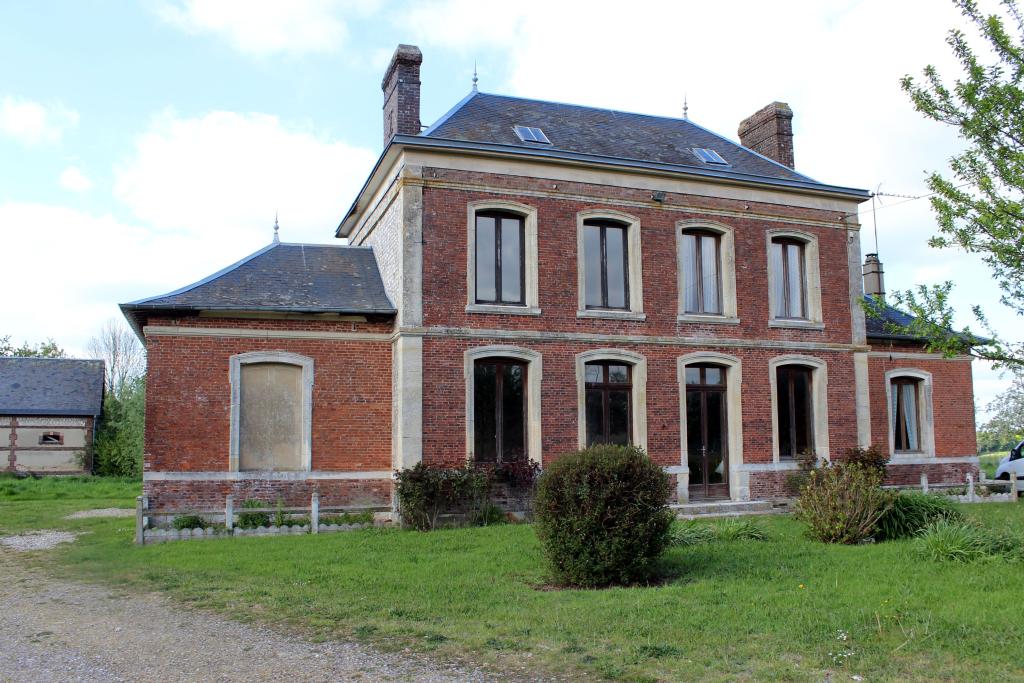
(979, 205)
(118, 444)
(46, 349)
(1005, 428)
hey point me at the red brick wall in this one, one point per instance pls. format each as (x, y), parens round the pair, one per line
(189, 395)
(952, 401)
(444, 261)
(209, 496)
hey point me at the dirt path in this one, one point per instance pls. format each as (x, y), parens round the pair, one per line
(52, 630)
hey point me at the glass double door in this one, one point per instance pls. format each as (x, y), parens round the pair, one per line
(706, 432)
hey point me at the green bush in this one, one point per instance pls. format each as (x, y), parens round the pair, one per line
(253, 520)
(911, 512)
(189, 522)
(117, 448)
(740, 530)
(957, 541)
(602, 516)
(424, 493)
(347, 518)
(842, 502)
(691, 533)
(870, 457)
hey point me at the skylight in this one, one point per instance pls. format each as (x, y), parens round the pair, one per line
(528, 134)
(709, 156)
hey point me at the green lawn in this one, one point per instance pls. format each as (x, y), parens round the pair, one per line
(743, 610)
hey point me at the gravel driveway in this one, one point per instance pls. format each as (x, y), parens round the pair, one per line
(52, 630)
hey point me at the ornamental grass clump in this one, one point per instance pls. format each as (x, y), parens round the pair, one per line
(912, 512)
(842, 502)
(602, 516)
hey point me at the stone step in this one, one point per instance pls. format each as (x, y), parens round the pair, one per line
(725, 508)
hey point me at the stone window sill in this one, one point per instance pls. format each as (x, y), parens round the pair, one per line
(603, 314)
(796, 324)
(494, 309)
(707, 319)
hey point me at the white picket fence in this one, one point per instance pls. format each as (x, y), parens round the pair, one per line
(144, 534)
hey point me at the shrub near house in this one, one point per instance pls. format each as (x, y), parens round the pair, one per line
(601, 516)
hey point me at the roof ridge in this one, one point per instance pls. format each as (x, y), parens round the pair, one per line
(76, 360)
(209, 278)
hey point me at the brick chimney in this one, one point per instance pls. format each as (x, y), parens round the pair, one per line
(401, 86)
(770, 132)
(874, 277)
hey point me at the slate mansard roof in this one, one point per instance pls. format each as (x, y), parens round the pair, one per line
(485, 123)
(51, 386)
(281, 277)
(483, 117)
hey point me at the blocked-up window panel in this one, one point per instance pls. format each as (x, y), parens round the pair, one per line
(270, 417)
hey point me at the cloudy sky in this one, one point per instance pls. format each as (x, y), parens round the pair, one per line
(144, 145)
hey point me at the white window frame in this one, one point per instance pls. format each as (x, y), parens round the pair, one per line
(530, 264)
(282, 358)
(812, 280)
(534, 381)
(634, 265)
(819, 404)
(738, 488)
(925, 414)
(726, 272)
(637, 398)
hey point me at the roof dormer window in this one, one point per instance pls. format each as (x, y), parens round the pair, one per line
(529, 134)
(709, 156)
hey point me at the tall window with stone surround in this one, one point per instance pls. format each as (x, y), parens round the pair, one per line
(702, 280)
(609, 388)
(500, 266)
(905, 414)
(795, 411)
(789, 279)
(499, 410)
(606, 264)
(270, 417)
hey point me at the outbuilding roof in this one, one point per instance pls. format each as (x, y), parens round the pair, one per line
(291, 278)
(51, 386)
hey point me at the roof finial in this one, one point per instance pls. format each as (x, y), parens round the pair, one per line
(686, 108)
(277, 239)
(475, 79)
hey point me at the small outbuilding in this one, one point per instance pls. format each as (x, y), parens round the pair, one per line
(49, 408)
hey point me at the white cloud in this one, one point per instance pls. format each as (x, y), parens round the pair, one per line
(79, 266)
(261, 27)
(226, 173)
(73, 179)
(31, 122)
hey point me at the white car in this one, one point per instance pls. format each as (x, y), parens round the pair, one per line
(1013, 466)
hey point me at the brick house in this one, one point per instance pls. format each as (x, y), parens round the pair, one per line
(49, 408)
(523, 278)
